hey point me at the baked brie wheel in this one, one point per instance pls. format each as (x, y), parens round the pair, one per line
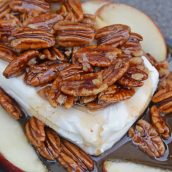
(80, 74)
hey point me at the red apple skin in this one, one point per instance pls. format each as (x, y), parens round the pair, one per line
(103, 167)
(8, 165)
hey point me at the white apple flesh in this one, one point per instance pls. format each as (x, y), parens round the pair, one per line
(16, 154)
(119, 166)
(153, 40)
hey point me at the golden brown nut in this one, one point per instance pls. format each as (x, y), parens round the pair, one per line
(73, 34)
(26, 38)
(114, 35)
(10, 105)
(162, 94)
(18, 64)
(159, 123)
(147, 139)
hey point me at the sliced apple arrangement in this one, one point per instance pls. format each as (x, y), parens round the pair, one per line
(93, 131)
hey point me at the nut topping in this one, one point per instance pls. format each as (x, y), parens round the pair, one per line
(27, 38)
(147, 139)
(159, 123)
(72, 10)
(74, 34)
(85, 85)
(52, 147)
(166, 108)
(52, 54)
(115, 94)
(29, 5)
(6, 53)
(133, 47)
(133, 78)
(4, 8)
(44, 73)
(18, 64)
(35, 132)
(115, 71)
(10, 105)
(162, 94)
(100, 56)
(43, 21)
(114, 35)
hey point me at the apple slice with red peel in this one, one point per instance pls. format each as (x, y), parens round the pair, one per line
(8, 165)
(119, 166)
(16, 154)
(153, 40)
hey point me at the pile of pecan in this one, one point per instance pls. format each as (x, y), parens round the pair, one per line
(150, 136)
(50, 146)
(46, 141)
(59, 49)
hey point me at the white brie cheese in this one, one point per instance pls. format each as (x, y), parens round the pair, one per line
(96, 131)
(119, 166)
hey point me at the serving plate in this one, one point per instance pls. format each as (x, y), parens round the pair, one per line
(124, 150)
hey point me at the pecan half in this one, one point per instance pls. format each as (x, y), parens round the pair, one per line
(89, 19)
(6, 53)
(166, 82)
(135, 61)
(163, 68)
(73, 34)
(115, 35)
(10, 105)
(72, 10)
(166, 108)
(133, 47)
(8, 24)
(4, 8)
(85, 85)
(115, 71)
(162, 94)
(159, 123)
(35, 131)
(87, 99)
(19, 63)
(71, 72)
(39, 75)
(29, 5)
(100, 56)
(27, 38)
(116, 94)
(133, 78)
(93, 106)
(52, 54)
(43, 21)
(147, 139)
(81, 157)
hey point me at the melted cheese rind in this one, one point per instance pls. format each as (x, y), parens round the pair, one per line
(95, 132)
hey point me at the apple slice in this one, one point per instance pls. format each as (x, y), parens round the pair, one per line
(153, 40)
(92, 6)
(119, 166)
(16, 154)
